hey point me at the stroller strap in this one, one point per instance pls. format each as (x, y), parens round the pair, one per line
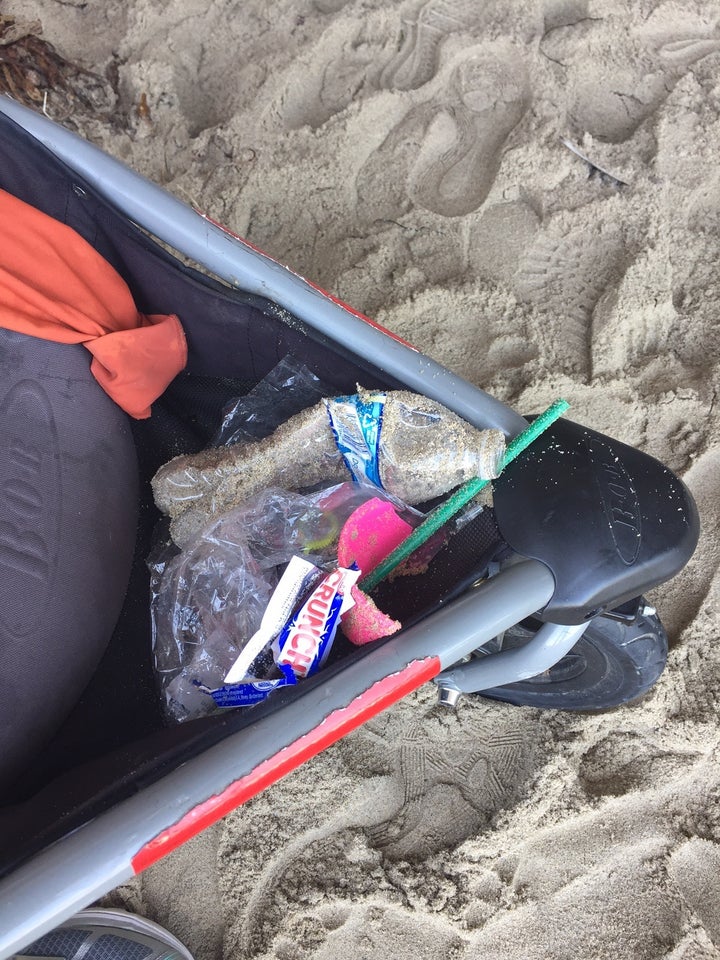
(55, 286)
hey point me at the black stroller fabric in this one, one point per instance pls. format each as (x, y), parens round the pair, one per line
(113, 741)
(113, 736)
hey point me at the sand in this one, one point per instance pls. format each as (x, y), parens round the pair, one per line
(408, 158)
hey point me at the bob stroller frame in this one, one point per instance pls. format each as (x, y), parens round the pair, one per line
(101, 806)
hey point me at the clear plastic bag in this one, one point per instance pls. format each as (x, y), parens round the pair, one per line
(205, 600)
(208, 600)
(289, 388)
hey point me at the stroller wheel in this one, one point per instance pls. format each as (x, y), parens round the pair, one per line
(98, 934)
(611, 664)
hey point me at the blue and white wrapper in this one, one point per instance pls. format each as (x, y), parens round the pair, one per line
(250, 692)
(299, 577)
(356, 423)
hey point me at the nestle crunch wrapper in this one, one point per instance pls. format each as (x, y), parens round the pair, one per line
(305, 642)
(299, 577)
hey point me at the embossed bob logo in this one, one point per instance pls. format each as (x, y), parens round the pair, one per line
(619, 500)
(30, 488)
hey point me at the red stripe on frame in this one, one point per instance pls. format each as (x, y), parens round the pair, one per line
(335, 726)
(328, 296)
(360, 316)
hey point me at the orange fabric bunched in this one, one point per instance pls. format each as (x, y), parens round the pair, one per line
(54, 285)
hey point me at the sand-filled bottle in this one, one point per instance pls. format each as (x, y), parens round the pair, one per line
(412, 446)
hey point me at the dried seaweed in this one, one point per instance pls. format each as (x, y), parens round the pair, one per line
(34, 73)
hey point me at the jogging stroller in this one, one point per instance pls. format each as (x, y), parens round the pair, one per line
(539, 601)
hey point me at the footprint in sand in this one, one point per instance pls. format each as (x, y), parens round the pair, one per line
(338, 70)
(423, 28)
(679, 39)
(614, 89)
(695, 868)
(626, 760)
(445, 777)
(445, 154)
(621, 910)
(346, 62)
(661, 813)
(565, 273)
(471, 768)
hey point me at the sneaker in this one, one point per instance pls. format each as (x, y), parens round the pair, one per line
(97, 934)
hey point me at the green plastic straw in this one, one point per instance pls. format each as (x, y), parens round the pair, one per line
(463, 495)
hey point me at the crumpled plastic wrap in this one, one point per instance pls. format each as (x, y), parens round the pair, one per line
(286, 390)
(205, 600)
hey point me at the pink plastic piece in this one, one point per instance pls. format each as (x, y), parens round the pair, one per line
(371, 533)
(368, 536)
(365, 622)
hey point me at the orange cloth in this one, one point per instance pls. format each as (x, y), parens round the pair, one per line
(54, 285)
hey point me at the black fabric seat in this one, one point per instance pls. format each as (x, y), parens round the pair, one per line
(68, 513)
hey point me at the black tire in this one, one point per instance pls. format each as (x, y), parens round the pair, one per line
(612, 663)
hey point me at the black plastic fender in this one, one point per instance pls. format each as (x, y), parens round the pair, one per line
(610, 521)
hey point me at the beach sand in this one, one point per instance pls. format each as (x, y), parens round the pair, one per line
(408, 158)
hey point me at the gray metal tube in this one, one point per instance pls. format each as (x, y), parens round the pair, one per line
(172, 221)
(547, 647)
(481, 614)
